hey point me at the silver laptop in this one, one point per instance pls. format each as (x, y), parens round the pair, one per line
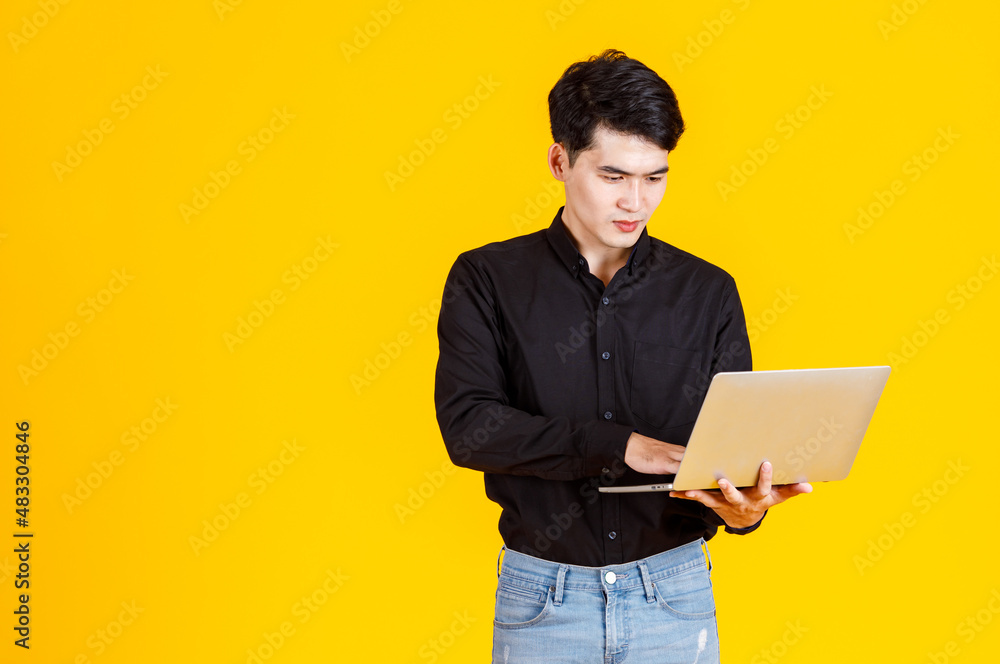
(807, 422)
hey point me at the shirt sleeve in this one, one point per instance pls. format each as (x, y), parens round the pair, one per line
(480, 429)
(732, 345)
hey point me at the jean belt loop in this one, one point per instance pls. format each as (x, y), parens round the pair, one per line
(560, 582)
(500, 555)
(708, 554)
(646, 581)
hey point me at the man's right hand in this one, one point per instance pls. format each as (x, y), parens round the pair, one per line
(651, 456)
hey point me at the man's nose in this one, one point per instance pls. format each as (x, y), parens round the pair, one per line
(630, 201)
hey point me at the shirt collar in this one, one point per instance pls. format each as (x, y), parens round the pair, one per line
(562, 243)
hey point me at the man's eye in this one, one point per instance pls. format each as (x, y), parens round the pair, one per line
(610, 178)
(655, 180)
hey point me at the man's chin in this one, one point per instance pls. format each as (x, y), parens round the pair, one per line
(621, 240)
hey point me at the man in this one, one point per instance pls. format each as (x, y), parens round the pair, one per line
(579, 356)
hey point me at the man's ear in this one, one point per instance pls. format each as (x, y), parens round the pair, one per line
(558, 160)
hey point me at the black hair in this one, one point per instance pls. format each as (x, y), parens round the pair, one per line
(613, 91)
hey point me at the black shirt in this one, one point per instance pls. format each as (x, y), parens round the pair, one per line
(544, 373)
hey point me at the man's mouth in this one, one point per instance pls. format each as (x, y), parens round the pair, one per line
(626, 226)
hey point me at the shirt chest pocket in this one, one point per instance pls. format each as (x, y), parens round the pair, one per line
(667, 385)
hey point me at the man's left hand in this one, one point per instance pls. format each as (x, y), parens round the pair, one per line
(742, 508)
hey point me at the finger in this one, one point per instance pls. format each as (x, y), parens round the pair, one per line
(675, 452)
(731, 493)
(798, 488)
(667, 467)
(764, 479)
(783, 492)
(704, 497)
(679, 450)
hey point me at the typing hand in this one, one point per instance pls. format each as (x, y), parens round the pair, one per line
(651, 456)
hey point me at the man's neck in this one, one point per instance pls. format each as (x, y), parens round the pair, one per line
(605, 266)
(603, 261)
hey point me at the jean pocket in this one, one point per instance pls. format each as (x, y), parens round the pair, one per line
(688, 595)
(520, 603)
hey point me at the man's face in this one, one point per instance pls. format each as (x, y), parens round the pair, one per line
(612, 190)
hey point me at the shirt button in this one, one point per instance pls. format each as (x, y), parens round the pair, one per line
(612, 535)
(605, 470)
(605, 355)
(606, 301)
(610, 577)
(608, 415)
(581, 261)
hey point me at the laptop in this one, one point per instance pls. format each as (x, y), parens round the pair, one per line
(807, 422)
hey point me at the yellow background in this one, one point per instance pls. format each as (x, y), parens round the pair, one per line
(418, 586)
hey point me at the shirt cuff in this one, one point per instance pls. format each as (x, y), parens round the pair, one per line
(606, 449)
(748, 529)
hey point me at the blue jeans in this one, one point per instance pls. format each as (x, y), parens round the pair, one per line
(658, 609)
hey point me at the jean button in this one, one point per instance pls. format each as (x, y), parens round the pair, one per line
(610, 577)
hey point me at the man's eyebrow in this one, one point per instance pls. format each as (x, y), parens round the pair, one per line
(619, 171)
